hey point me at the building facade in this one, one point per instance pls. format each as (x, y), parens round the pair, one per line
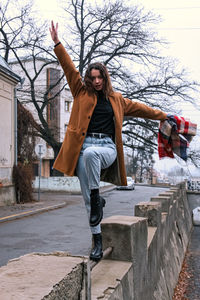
(8, 82)
(52, 95)
(8, 156)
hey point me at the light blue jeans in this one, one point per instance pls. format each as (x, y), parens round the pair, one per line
(96, 154)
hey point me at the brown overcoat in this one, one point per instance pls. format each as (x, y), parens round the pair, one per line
(82, 110)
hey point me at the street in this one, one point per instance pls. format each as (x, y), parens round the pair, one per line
(65, 229)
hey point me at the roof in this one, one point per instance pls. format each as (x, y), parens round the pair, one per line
(5, 68)
(29, 58)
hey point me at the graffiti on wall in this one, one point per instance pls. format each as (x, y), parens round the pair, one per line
(3, 161)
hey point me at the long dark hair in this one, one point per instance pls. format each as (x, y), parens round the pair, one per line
(107, 86)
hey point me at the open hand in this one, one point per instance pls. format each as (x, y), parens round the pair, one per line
(54, 32)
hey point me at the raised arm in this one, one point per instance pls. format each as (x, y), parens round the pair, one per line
(54, 32)
(72, 74)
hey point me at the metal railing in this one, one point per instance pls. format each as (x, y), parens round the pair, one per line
(87, 272)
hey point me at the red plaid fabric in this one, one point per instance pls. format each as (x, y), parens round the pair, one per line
(175, 134)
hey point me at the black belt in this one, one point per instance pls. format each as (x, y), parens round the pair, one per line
(99, 135)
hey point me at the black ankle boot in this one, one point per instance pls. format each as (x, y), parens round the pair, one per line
(97, 253)
(96, 213)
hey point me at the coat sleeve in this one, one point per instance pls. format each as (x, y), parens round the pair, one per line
(72, 74)
(137, 109)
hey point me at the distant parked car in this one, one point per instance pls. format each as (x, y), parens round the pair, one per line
(196, 216)
(130, 185)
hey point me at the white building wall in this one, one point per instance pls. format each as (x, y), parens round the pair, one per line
(6, 129)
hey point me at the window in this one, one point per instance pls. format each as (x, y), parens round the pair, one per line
(67, 105)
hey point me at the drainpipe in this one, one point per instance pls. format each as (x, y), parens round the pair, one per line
(15, 125)
(15, 117)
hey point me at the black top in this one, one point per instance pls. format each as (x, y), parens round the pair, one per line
(102, 117)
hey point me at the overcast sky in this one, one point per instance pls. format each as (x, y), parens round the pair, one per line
(181, 27)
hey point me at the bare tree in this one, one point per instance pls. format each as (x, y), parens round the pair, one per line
(23, 40)
(119, 35)
(194, 154)
(122, 38)
(11, 27)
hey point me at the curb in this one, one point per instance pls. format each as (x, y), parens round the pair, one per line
(44, 209)
(105, 189)
(31, 212)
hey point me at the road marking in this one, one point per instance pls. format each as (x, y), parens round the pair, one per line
(30, 212)
(16, 215)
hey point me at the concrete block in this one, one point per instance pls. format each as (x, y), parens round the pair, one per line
(176, 191)
(151, 211)
(123, 233)
(42, 276)
(112, 279)
(164, 200)
(128, 237)
(169, 194)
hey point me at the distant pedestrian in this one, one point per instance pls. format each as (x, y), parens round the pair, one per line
(92, 148)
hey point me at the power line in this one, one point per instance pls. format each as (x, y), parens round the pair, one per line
(177, 8)
(179, 28)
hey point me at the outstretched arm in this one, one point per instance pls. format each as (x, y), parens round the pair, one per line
(54, 32)
(137, 109)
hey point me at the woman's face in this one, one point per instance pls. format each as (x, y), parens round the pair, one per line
(97, 79)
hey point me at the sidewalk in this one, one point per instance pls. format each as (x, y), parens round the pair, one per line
(193, 266)
(188, 287)
(47, 202)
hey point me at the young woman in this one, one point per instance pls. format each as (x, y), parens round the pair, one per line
(92, 148)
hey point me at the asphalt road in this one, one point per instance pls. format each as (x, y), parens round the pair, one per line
(65, 229)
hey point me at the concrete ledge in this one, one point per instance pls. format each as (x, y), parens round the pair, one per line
(42, 276)
(126, 229)
(165, 201)
(116, 282)
(127, 236)
(151, 211)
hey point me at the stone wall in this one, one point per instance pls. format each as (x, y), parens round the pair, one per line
(154, 240)
(147, 254)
